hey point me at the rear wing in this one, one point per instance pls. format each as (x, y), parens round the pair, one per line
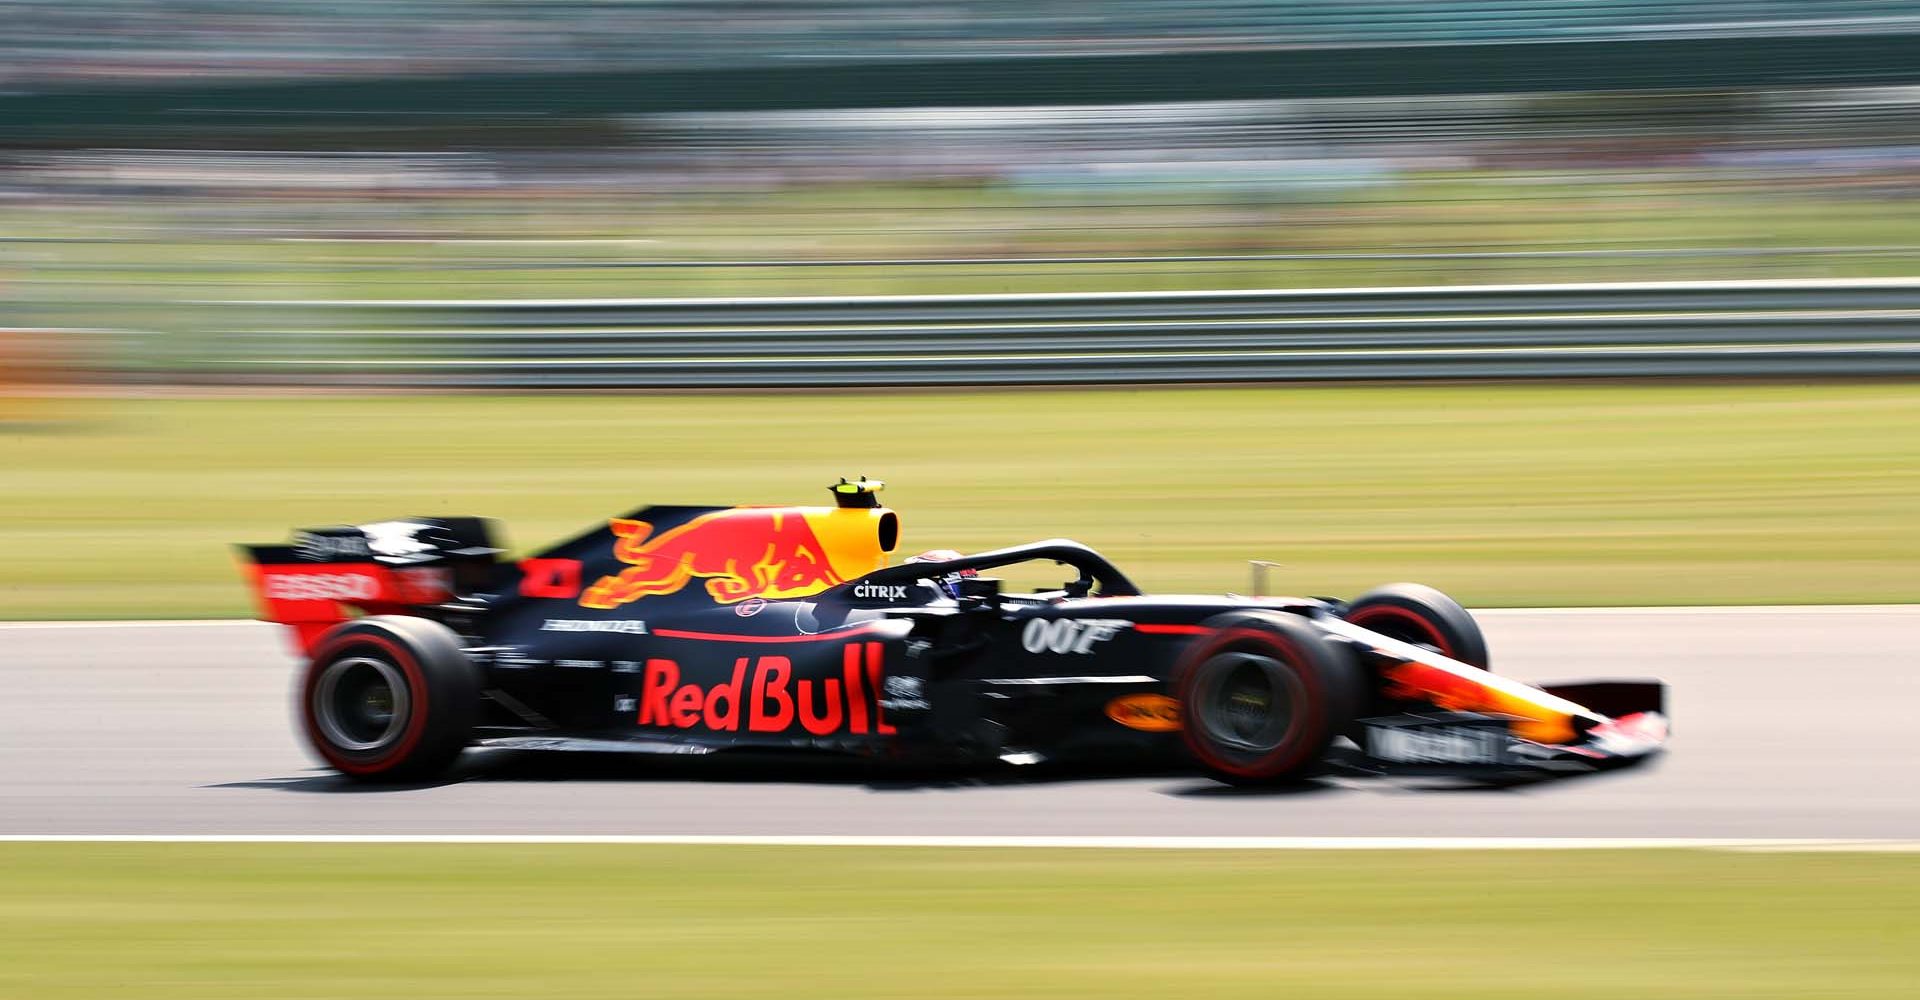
(332, 575)
(655, 558)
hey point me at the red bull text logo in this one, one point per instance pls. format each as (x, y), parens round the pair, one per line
(742, 553)
(770, 700)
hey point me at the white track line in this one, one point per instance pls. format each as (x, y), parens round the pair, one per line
(1701, 609)
(1121, 843)
(133, 623)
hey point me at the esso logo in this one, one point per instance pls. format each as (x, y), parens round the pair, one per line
(322, 587)
(1067, 635)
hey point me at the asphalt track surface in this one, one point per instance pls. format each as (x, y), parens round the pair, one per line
(1790, 723)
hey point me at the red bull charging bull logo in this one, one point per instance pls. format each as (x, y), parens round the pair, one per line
(742, 553)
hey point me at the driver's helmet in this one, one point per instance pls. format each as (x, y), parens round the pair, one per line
(950, 582)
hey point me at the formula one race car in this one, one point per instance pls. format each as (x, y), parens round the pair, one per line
(696, 629)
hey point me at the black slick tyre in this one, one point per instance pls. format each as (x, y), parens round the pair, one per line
(1263, 694)
(389, 698)
(1423, 616)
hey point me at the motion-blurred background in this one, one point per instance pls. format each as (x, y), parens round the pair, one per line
(1541, 302)
(223, 225)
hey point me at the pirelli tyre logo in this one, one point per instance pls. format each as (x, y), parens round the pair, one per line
(763, 696)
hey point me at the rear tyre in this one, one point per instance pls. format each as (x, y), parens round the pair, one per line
(1262, 696)
(389, 698)
(1423, 616)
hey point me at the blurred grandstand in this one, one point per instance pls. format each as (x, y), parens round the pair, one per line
(51, 43)
(162, 156)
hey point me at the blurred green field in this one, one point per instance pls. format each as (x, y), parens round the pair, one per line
(1422, 227)
(419, 922)
(1584, 494)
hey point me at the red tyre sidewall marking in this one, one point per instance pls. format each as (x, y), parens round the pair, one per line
(1401, 615)
(1312, 719)
(399, 656)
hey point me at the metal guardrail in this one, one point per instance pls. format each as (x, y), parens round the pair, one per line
(1731, 328)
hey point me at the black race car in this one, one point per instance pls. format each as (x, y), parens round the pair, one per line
(696, 629)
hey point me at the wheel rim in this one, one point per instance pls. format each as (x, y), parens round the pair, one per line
(1246, 702)
(361, 703)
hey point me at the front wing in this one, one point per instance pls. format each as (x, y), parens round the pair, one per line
(1473, 720)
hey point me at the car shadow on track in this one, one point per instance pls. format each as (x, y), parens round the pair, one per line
(517, 766)
(725, 768)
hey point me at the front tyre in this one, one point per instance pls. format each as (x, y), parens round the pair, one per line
(1262, 695)
(1423, 616)
(389, 698)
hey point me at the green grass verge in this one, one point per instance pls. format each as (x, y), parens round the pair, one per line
(142, 250)
(201, 921)
(1502, 494)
